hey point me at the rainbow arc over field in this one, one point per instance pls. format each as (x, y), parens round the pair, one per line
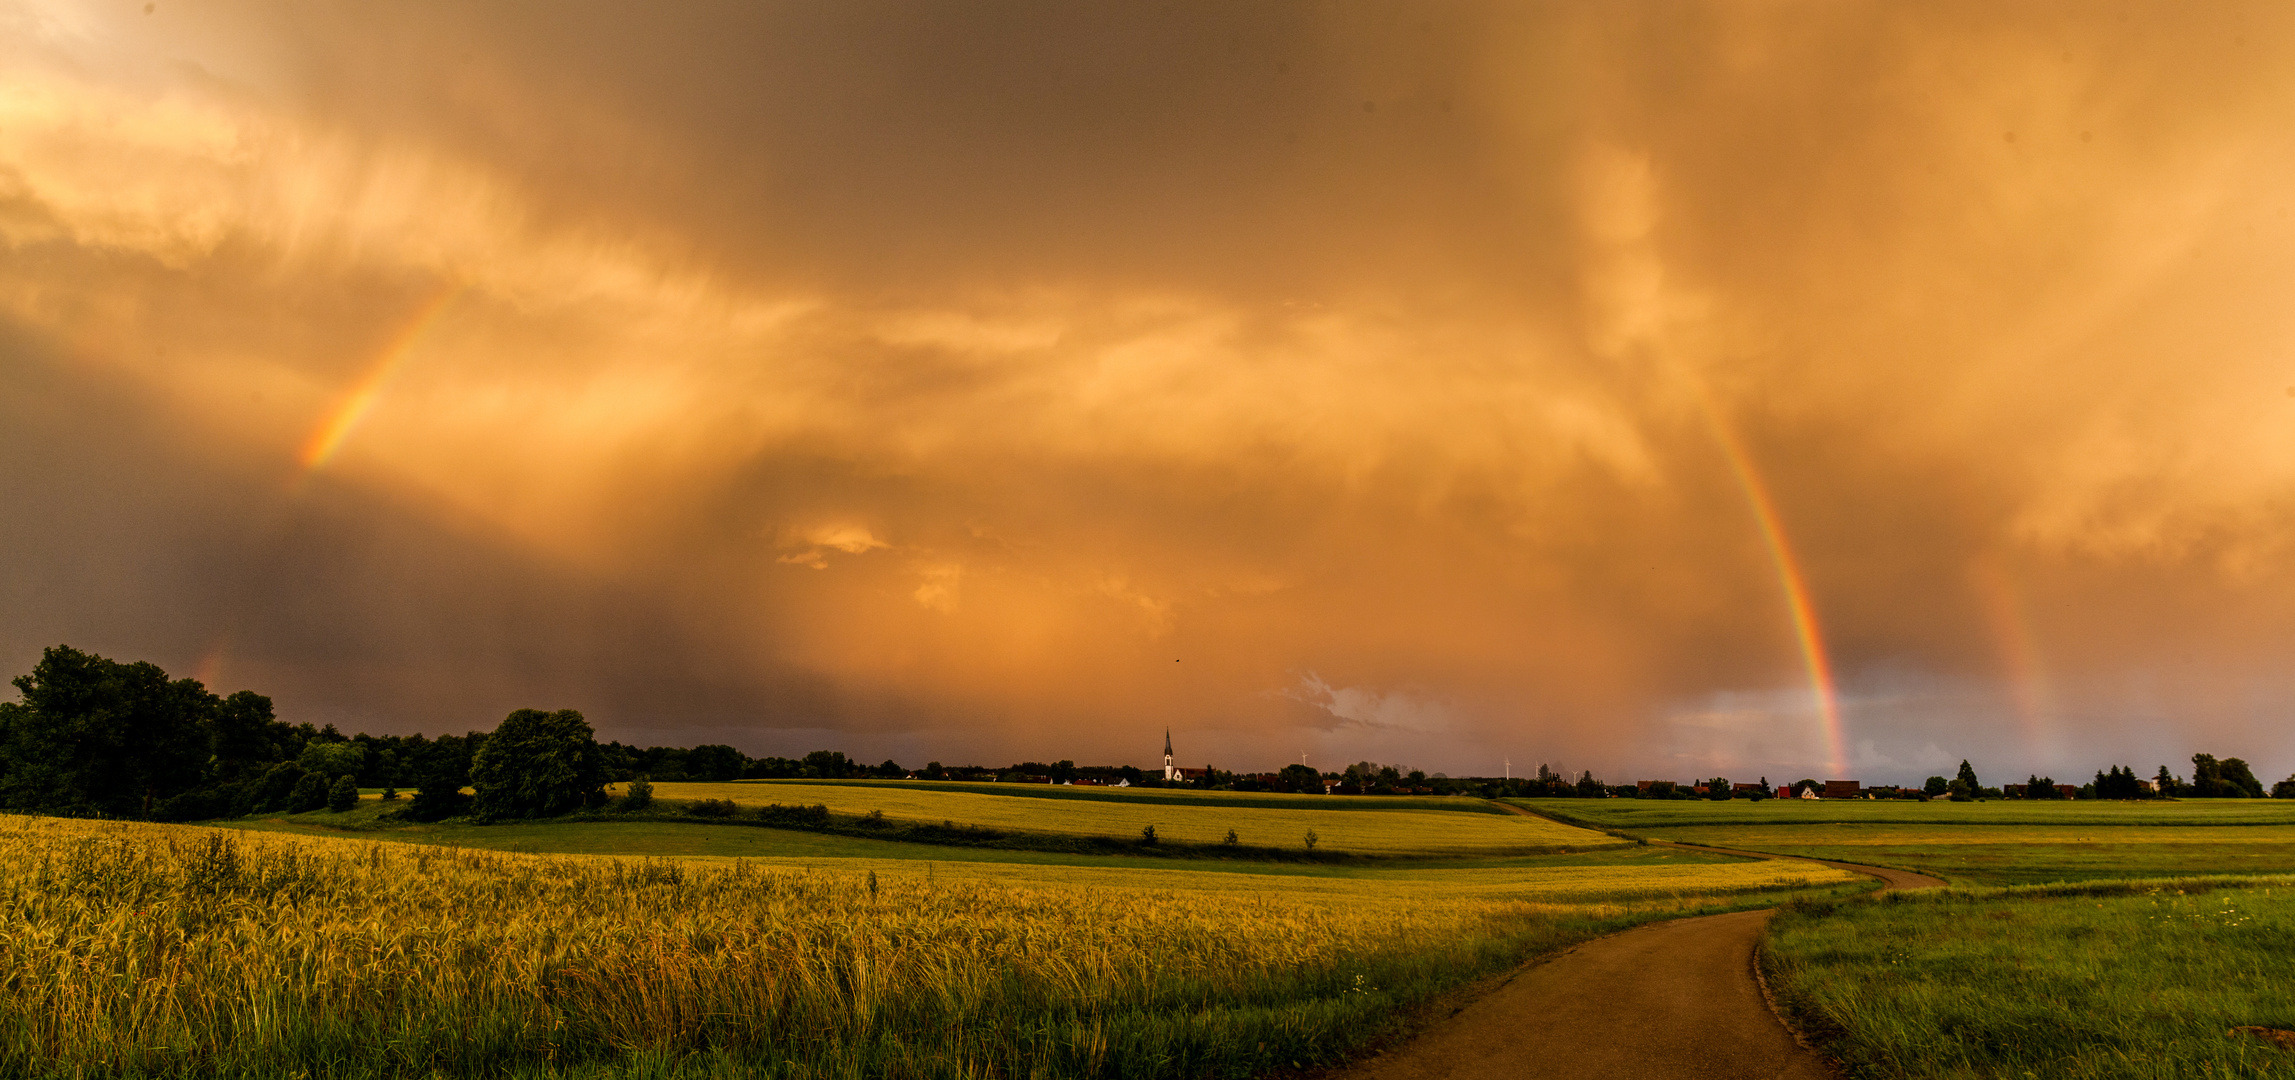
(1792, 581)
(2021, 658)
(336, 428)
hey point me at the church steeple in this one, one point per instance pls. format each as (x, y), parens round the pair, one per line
(1170, 771)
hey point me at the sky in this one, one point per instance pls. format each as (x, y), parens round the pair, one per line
(1658, 390)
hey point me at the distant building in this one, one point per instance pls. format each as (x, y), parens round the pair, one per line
(1170, 772)
(1843, 789)
(1746, 789)
(1809, 793)
(2069, 791)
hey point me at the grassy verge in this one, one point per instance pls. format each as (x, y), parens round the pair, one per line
(2120, 979)
(147, 950)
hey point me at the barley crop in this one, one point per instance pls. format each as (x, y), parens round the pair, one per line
(145, 950)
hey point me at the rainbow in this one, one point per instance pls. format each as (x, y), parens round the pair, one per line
(336, 428)
(2020, 656)
(1794, 584)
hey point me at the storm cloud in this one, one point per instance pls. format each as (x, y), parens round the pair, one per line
(1445, 383)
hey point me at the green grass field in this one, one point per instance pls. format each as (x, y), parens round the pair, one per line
(1390, 828)
(2135, 979)
(1987, 843)
(148, 950)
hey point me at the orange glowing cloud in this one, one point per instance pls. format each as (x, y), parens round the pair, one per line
(1778, 391)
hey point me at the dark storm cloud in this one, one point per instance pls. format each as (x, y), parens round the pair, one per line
(939, 375)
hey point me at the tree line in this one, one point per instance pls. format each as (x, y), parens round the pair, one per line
(97, 737)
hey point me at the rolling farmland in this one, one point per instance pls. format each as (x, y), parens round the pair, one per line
(1341, 825)
(143, 949)
(1987, 843)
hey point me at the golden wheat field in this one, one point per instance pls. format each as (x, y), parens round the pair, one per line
(1349, 830)
(150, 950)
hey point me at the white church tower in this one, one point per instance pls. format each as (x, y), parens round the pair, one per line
(1170, 771)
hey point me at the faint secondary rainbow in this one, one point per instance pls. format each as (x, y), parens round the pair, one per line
(336, 429)
(2021, 660)
(1791, 580)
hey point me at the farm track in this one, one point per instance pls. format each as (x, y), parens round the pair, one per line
(1675, 997)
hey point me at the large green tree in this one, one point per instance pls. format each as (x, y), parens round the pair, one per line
(95, 736)
(2229, 778)
(440, 775)
(537, 764)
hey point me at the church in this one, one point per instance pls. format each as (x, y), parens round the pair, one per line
(1173, 774)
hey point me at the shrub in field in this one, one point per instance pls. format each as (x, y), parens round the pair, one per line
(198, 804)
(795, 815)
(1147, 836)
(344, 794)
(713, 808)
(537, 764)
(640, 795)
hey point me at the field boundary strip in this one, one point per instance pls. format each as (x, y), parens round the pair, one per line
(1270, 800)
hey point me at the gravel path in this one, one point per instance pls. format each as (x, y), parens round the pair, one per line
(1670, 998)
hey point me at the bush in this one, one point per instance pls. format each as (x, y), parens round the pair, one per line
(640, 795)
(816, 814)
(718, 808)
(277, 788)
(197, 805)
(310, 794)
(344, 795)
(1147, 836)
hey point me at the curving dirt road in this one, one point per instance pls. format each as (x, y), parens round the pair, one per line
(1675, 997)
